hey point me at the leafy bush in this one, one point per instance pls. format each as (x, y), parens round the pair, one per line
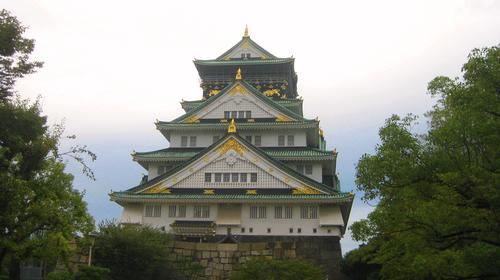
(266, 269)
(59, 275)
(133, 252)
(92, 273)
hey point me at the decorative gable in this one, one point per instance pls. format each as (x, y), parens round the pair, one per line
(239, 99)
(232, 156)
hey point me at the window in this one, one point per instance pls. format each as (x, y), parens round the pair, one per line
(172, 210)
(205, 212)
(226, 177)
(182, 211)
(234, 177)
(253, 212)
(299, 230)
(253, 177)
(308, 169)
(288, 212)
(242, 230)
(153, 211)
(215, 138)
(248, 138)
(329, 231)
(262, 212)
(242, 55)
(315, 230)
(258, 212)
(241, 114)
(290, 230)
(248, 55)
(227, 114)
(234, 114)
(300, 168)
(184, 141)
(208, 177)
(192, 141)
(248, 114)
(290, 140)
(201, 211)
(281, 140)
(250, 230)
(217, 177)
(243, 177)
(308, 212)
(258, 140)
(268, 230)
(278, 212)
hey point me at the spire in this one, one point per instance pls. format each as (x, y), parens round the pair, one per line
(246, 31)
(238, 74)
(232, 127)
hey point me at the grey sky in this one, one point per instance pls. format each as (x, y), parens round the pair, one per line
(113, 67)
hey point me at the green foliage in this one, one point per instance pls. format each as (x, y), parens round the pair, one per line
(133, 252)
(355, 265)
(92, 273)
(268, 269)
(41, 212)
(59, 275)
(14, 53)
(438, 193)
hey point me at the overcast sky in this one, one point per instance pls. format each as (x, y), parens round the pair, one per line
(113, 67)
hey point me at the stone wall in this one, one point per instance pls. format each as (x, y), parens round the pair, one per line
(219, 259)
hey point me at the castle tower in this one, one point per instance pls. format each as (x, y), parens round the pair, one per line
(242, 161)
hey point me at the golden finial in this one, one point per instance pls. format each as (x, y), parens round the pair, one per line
(321, 132)
(232, 127)
(246, 31)
(238, 74)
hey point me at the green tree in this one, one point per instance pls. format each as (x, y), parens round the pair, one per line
(268, 269)
(40, 210)
(15, 53)
(133, 252)
(438, 211)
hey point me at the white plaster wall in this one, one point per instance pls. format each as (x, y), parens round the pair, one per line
(268, 138)
(132, 213)
(317, 169)
(238, 103)
(279, 227)
(237, 53)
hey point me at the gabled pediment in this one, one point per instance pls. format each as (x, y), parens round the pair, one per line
(239, 97)
(246, 48)
(234, 155)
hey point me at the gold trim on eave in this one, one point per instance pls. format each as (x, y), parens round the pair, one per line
(208, 191)
(305, 190)
(252, 192)
(158, 189)
(283, 118)
(193, 119)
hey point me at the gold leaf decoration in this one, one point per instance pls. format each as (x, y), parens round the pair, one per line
(283, 118)
(232, 144)
(238, 89)
(272, 92)
(208, 191)
(213, 92)
(253, 192)
(193, 119)
(305, 190)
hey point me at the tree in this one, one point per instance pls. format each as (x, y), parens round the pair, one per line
(269, 269)
(14, 53)
(40, 210)
(438, 193)
(133, 252)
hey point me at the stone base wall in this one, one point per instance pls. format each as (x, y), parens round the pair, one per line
(219, 259)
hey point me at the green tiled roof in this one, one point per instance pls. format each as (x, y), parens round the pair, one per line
(253, 90)
(285, 153)
(337, 197)
(241, 125)
(244, 61)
